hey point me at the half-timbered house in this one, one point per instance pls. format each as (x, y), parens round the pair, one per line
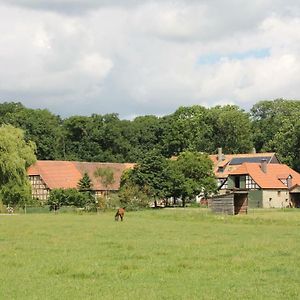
(46, 175)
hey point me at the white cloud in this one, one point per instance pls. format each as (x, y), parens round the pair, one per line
(135, 57)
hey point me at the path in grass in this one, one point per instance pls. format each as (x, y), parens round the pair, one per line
(163, 254)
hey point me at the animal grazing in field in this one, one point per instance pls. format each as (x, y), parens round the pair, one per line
(120, 214)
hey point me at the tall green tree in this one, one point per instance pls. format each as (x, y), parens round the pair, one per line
(231, 129)
(186, 129)
(268, 118)
(286, 143)
(276, 128)
(39, 125)
(151, 175)
(146, 135)
(16, 155)
(191, 175)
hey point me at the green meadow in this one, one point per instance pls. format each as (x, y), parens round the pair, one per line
(153, 254)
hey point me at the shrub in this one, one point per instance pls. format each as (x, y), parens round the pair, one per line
(69, 197)
(2, 208)
(133, 198)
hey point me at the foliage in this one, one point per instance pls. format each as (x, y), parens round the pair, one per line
(16, 156)
(2, 208)
(68, 197)
(191, 175)
(106, 176)
(101, 202)
(113, 201)
(133, 197)
(106, 138)
(157, 177)
(40, 126)
(85, 183)
(231, 129)
(276, 128)
(151, 175)
(187, 129)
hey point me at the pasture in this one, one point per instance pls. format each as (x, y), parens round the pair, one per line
(154, 254)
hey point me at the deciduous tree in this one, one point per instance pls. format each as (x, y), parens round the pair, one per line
(191, 174)
(16, 155)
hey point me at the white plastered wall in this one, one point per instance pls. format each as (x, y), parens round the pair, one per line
(275, 198)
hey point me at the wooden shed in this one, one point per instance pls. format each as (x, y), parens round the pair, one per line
(231, 204)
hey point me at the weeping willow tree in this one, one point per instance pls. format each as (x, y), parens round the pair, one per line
(16, 155)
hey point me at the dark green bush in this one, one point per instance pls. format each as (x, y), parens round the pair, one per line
(69, 197)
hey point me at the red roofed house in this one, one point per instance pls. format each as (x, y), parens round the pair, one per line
(225, 164)
(268, 184)
(46, 175)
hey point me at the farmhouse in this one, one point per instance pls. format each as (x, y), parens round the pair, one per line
(225, 164)
(45, 175)
(266, 185)
(253, 180)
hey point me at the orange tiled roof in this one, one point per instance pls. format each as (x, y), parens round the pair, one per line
(270, 179)
(228, 169)
(66, 174)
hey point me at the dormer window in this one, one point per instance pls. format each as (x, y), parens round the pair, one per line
(220, 169)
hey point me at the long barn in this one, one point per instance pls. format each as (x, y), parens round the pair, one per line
(46, 175)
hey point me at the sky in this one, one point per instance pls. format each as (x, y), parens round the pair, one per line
(82, 57)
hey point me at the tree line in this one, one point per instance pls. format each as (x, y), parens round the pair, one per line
(271, 125)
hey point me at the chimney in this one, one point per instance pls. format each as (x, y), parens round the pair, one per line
(289, 182)
(264, 165)
(220, 155)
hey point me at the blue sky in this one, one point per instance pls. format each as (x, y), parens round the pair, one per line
(213, 58)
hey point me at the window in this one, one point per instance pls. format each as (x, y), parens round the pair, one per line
(250, 183)
(221, 169)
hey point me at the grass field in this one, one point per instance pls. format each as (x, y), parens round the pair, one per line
(155, 254)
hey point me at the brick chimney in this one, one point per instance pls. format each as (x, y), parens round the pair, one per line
(264, 165)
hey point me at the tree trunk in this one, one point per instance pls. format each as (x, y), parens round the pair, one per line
(183, 202)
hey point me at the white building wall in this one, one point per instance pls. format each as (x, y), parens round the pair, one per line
(275, 198)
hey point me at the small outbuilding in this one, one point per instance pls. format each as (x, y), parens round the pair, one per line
(231, 203)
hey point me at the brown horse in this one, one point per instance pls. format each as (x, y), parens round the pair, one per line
(120, 214)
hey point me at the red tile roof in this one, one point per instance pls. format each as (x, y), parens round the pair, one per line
(228, 169)
(66, 174)
(270, 179)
